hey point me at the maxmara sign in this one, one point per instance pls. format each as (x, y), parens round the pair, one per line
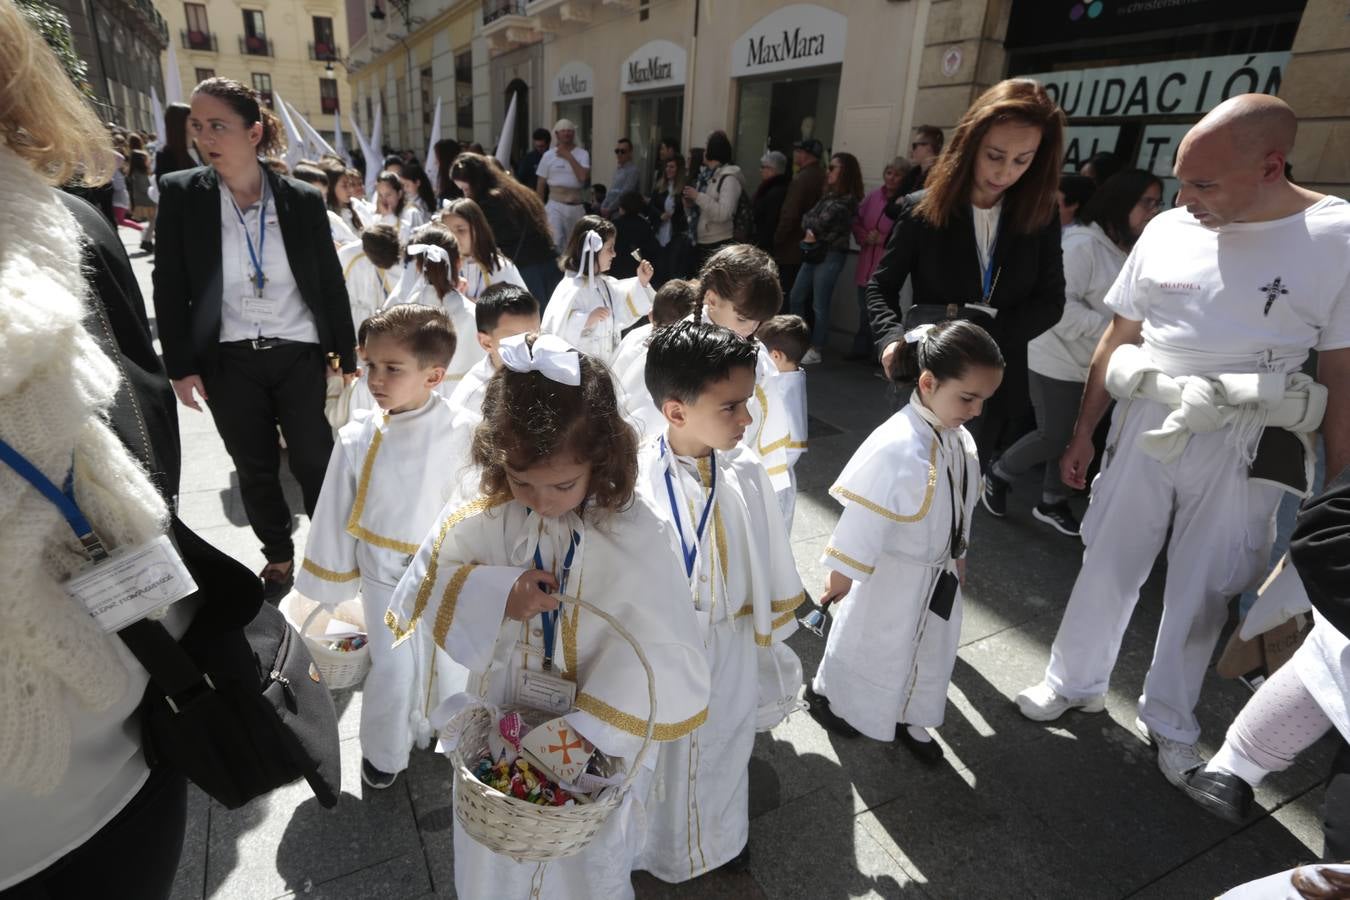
(794, 37)
(574, 81)
(656, 64)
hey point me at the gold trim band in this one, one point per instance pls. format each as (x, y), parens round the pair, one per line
(664, 731)
(849, 561)
(896, 517)
(319, 571)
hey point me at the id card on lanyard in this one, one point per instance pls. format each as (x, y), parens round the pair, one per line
(546, 689)
(116, 588)
(255, 305)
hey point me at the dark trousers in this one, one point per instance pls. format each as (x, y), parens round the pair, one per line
(250, 392)
(787, 277)
(134, 855)
(1336, 809)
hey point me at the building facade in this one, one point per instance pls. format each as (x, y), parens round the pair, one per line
(278, 47)
(120, 42)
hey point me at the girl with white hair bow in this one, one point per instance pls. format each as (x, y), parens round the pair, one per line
(589, 309)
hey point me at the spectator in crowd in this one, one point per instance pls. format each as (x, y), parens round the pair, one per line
(250, 305)
(310, 173)
(393, 206)
(625, 178)
(446, 150)
(517, 219)
(828, 226)
(996, 183)
(666, 210)
(1074, 192)
(339, 196)
(668, 149)
(1058, 360)
(561, 177)
(871, 227)
(923, 152)
(711, 205)
(142, 205)
(634, 234)
(769, 198)
(598, 194)
(529, 163)
(1101, 166)
(803, 193)
(175, 150)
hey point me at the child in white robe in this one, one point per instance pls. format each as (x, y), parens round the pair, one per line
(394, 208)
(556, 514)
(481, 263)
(382, 491)
(724, 526)
(739, 290)
(896, 556)
(787, 338)
(589, 309)
(433, 258)
(366, 268)
(674, 301)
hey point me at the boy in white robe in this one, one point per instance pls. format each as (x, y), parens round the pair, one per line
(366, 268)
(724, 526)
(492, 579)
(674, 301)
(895, 558)
(787, 338)
(382, 491)
(589, 309)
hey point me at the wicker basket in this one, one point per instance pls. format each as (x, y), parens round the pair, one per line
(341, 669)
(517, 828)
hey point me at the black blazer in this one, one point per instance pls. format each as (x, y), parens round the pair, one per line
(1320, 550)
(188, 281)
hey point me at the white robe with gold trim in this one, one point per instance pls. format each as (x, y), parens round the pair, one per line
(384, 486)
(367, 286)
(466, 403)
(456, 590)
(792, 388)
(574, 300)
(887, 658)
(745, 591)
(630, 378)
(477, 280)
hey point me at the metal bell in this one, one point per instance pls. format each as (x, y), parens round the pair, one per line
(815, 621)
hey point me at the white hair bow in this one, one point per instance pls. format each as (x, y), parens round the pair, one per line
(917, 333)
(433, 252)
(551, 355)
(590, 250)
(445, 203)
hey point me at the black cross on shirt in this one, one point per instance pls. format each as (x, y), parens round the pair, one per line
(1273, 290)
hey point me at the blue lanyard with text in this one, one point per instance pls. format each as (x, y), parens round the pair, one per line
(63, 498)
(690, 555)
(259, 279)
(990, 276)
(550, 617)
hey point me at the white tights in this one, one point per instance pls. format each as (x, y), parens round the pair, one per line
(1278, 723)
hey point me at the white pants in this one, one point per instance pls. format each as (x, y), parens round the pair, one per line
(562, 218)
(787, 500)
(1223, 526)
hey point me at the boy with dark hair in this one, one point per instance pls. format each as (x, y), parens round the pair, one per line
(717, 500)
(365, 267)
(787, 339)
(384, 487)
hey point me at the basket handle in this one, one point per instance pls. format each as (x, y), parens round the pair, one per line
(646, 667)
(309, 619)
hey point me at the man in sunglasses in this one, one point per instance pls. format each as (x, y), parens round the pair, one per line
(923, 152)
(625, 177)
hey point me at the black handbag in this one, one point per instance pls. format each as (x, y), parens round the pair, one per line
(237, 705)
(814, 251)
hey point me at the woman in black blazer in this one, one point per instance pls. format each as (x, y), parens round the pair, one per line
(251, 308)
(984, 231)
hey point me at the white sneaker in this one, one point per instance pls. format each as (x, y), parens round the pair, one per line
(1040, 703)
(811, 357)
(1175, 758)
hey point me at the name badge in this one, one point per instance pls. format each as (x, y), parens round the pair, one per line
(259, 307)
(131, 583)
(545, 691)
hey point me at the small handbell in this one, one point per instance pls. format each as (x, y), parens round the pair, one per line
(815, 622)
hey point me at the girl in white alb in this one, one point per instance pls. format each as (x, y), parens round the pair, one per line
(492, 580)
(481, 263)
(896, 556)
(588, 308)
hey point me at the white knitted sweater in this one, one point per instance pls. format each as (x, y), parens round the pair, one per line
(55, 383)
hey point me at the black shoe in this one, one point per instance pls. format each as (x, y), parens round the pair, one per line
(1058, 516)
(276, 582)
(928, 752)
(373, 777)
(820, 711)
(1221, 793)
(995, 496)
(147, 246)
(738, 863)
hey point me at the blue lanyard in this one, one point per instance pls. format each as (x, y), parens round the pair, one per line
(63, 497)
(259, 279)
(988, 280)
(691, 554)
(550, 617)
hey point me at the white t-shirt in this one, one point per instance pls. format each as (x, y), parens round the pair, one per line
(1245, 297)
(558, 171)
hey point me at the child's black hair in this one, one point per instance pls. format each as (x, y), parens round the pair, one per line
(442, 276)
(789, 335)
(425, 332)
(684, 358)
(948, 350)
(380, 243)
(503, 299)
(675, 300)
(744, 276)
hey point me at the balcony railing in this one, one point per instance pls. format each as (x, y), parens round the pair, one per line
(323, 52)
(199, 40)
(255, 45)
(495, 9)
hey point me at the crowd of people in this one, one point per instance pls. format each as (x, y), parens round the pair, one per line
(517, 415)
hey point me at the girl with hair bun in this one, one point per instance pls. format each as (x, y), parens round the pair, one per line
(897, 555)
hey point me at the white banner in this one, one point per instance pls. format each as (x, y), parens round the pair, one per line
(656, 64)
(794, 37)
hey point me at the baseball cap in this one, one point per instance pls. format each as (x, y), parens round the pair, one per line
(812, 146)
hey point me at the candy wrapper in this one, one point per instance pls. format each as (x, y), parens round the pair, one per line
(520, 780)
(504, 743)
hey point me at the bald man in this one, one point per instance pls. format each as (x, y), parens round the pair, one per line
(1215, 313)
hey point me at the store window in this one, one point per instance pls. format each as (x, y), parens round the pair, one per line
(653, 79)
(203, 74)
(262, 83)
(571, 90)
(464, 94)
(328, 95)
(325, 47)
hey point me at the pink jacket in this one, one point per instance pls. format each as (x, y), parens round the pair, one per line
(870, 215)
